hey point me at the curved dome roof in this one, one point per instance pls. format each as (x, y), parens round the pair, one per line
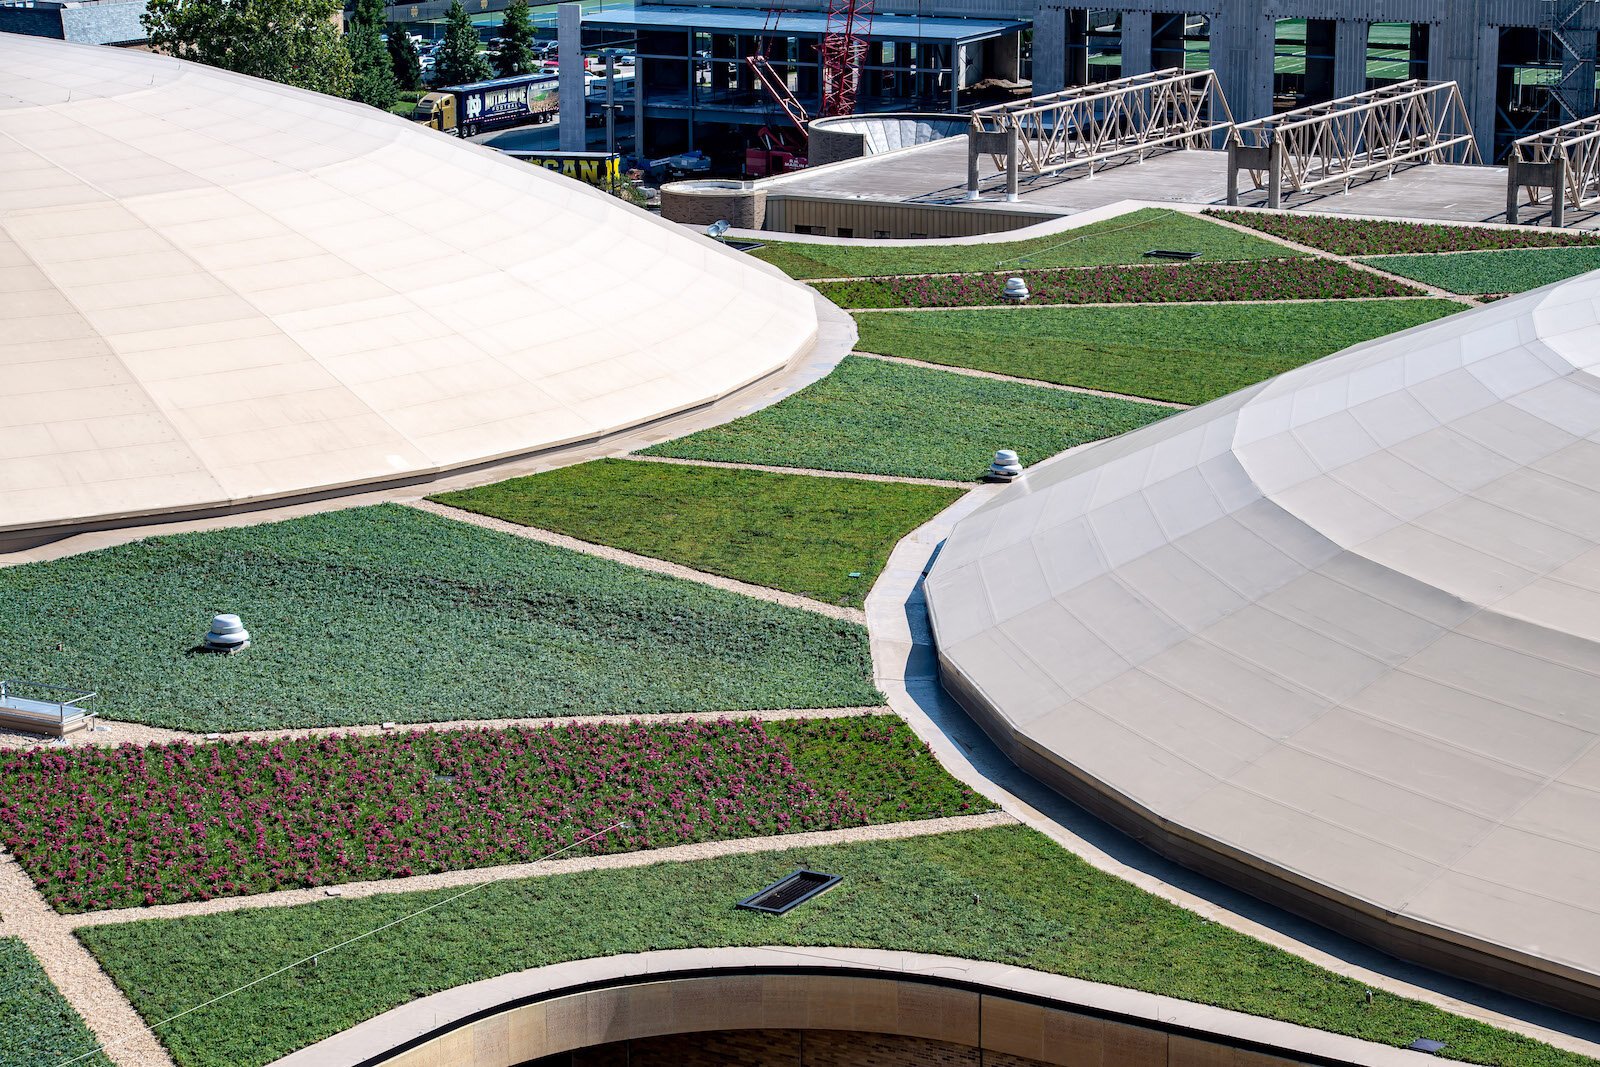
(1336, 636)
(215, 289)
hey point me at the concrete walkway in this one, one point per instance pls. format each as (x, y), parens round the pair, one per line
(906, 668)
(431, 1014)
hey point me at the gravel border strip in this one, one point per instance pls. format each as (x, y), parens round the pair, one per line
(510, 872)
(648, 563)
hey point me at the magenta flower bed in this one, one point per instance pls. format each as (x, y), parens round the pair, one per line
(1279, 279)
(1369, 237)
(102, 828)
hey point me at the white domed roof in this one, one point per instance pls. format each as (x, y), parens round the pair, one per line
(215, 289)
(1337, 634)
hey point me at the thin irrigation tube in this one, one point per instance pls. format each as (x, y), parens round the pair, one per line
(151, 1028)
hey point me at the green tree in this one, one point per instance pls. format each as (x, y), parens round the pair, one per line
(516, 41)
(403, 58)
(295, 42)
(459, 62)
(372, 74)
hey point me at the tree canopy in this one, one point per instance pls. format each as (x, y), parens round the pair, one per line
(372, 73)
(458, 62)
(403, 58)
(295, 42)
(516, 41)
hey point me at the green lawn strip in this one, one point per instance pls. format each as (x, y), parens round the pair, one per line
(1373, 237)
(793, 532)
(37, 1025)
(887, 772)
(1472, 273)
(874, 417)
(386, 613)
(1123, 239)
(1185, 354)
(1006, 894)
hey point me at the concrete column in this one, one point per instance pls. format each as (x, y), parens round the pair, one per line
(1049, 49)
(574, 132)
(1464, 50)
(1241, 51)
(1350, 57)
(1003, 57)
(1136, 42)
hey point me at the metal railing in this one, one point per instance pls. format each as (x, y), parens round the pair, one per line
(1369, 134)
(1091, 125)
(66, 711)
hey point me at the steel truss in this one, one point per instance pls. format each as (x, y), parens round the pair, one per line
(1370, 133)
(1090, 125)
(1565, 160)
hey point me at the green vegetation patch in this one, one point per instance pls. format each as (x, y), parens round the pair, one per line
(875, 417)
(1263, 280)
(788, 531)
(1371, 237)
(384, 613)
(37, 1025)
(1493, 272)
(1124, 239)
(107, 828)
(1006, 894)
(1186, 354)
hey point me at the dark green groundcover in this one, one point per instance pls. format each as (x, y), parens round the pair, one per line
(877, 417)
(1008, 895)
(825, 538)
(1493, 272)
(37, 1026)
(1186, 354)
(389, 613)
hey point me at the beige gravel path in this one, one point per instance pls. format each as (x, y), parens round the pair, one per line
(122, 733)
(24, 914)
(539, 869)
(647, 563)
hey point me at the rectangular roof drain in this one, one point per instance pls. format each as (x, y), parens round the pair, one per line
(790, 891)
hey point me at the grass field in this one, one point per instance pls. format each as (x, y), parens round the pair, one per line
(36, 1025)
(389, 613)
(1493, 272)
(117, 828)
(1185, 354)
(875, 417)
(1005, 894)
(802, 534)
(1121, 240)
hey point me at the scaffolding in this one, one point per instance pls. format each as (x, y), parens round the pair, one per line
(1565, 160)
(1574, 91)
(1091, 126)
(1370, 134)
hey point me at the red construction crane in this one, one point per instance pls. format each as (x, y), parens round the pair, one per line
(775, 81)
(844, 48)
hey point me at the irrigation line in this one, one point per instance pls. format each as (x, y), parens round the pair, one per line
(151, 1028)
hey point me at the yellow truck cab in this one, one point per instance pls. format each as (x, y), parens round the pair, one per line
(437, 110)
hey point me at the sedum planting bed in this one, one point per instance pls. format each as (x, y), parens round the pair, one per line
(1494, 272)
(106, 828)
(1186, 354)
(1120, 240)
(1375, 237)
(1005, 894)
(875, 417)
(37, 1026)
(388, 613)
(788, 531)
(1288, 279)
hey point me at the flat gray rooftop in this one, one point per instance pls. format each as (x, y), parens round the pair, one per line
(937, 174)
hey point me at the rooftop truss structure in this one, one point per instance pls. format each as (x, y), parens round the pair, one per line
(1091, 125)
(1368, 134)
(1569, 161)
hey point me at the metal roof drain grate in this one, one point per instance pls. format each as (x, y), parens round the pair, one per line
(790, 891)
